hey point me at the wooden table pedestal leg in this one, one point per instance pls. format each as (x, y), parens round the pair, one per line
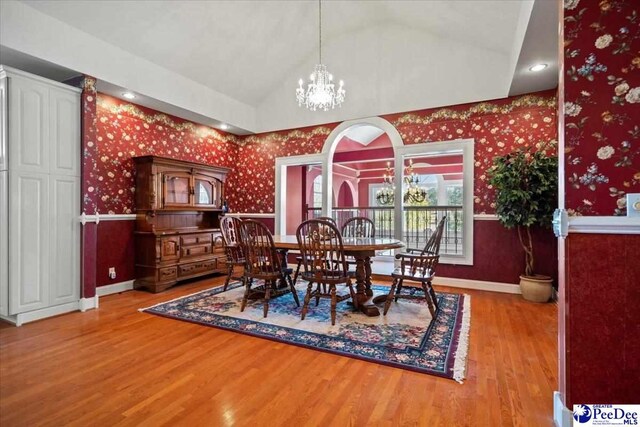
(363, 287)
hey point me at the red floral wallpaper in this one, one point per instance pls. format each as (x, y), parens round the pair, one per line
(126, 130)
(89, 124)
(255, 189)
(602, 105)
(497, 127)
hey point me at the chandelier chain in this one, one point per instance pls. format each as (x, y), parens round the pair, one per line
(320, 30)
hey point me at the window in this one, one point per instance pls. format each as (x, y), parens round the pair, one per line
(317, 192)
(454, 194)
(449, 192)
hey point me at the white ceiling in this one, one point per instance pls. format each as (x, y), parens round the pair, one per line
(363, 134)
(393, 55)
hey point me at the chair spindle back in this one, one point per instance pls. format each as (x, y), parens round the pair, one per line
(321, 249)
(261, 257)
(433, 244)
(230, 229)
(359, 226)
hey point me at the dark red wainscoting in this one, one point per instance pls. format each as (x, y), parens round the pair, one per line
(115, 249)
(603, 318)
(498, 256)
(89, 251)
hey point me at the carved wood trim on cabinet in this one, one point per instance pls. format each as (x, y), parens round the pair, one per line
(177, 230)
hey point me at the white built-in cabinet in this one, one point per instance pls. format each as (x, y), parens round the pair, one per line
(39, 196)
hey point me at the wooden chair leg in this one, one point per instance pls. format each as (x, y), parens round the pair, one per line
(295, 275)
(434, 298)
(392, 291)
(427, 296)
(229, 274)
(307, 299)
(399, 289)
(293, 290)
(352, 293)
(267, 296)
(334, 303)
(247, 290)
(318, 293)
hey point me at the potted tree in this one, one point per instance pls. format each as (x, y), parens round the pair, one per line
(526, 192)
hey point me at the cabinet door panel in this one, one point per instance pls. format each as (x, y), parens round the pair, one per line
(65, 239)
(176, 189)
(207, 191)
(64, 132)
(4, 242)
(29, 125)
(169, 249)
(28, 242)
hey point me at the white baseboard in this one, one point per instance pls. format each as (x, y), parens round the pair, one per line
(480, 285)
(114, 288)
(32, 316)
(561, 415)
(88, 303)
(10, 319)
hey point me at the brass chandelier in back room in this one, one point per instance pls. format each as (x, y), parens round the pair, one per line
(413, 193)
(321, 93)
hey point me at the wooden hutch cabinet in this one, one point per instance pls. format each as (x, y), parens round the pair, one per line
(177, 233)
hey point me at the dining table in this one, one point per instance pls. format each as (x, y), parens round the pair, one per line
(362, 249)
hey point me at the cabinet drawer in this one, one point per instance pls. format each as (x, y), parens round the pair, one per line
(169, 273)
(196, 250)
(197, 267)
(196, 239)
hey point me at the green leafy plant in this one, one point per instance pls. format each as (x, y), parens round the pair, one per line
(526, 184)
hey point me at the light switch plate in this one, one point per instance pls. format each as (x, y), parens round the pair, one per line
(633, 204)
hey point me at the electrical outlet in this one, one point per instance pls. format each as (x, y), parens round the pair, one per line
(112, 273)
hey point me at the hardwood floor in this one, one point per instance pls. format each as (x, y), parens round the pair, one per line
(117, 366)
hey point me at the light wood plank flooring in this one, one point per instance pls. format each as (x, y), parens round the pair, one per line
(116, 366)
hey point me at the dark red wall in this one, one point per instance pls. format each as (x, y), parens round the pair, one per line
(499, 257)
(600, 91)
(115, 249)
(603, 324)
(123, 130)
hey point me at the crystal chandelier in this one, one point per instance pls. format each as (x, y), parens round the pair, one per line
(386, 194)
(414, 194)
(321, 92)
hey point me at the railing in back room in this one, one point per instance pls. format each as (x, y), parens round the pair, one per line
(420, 222)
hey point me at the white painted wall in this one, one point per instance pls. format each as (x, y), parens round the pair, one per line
(374, 86)
(27, 30)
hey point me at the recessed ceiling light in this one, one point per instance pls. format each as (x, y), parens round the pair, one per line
(128, 95)
(224, 126)
(538, 67)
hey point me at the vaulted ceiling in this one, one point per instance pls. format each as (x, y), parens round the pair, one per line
(238, 61)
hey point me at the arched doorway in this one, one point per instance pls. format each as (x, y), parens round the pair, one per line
(345, 195)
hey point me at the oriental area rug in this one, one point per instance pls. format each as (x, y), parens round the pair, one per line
(404, 338)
